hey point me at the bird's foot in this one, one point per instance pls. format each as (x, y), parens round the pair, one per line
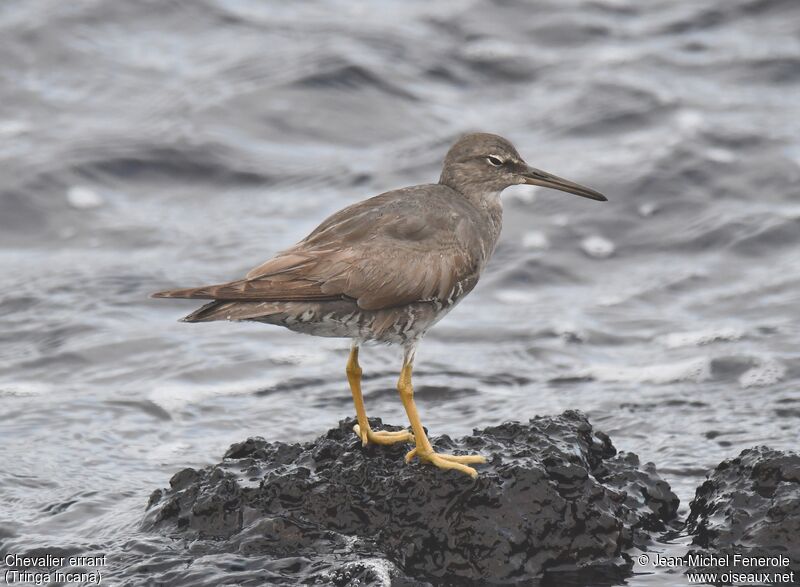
(444, 461)
(367, 435)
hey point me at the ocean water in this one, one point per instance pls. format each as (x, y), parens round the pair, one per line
(148, 145)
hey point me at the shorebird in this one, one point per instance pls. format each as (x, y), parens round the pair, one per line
(386, 270)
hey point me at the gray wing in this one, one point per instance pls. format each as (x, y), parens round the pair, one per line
(400, 247)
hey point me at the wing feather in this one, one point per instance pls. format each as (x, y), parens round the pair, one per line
(373, 252)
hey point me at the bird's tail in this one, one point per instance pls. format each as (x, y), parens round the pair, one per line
(221, 310)
(189, 292)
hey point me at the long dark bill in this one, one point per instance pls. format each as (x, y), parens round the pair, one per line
(535, 176)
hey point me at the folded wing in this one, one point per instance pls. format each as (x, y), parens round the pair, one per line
(373, 252)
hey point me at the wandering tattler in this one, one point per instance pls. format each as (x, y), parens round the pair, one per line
(387, 269)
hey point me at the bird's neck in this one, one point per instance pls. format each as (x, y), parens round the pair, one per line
(490, 207)
(487, 201)
(494, 212)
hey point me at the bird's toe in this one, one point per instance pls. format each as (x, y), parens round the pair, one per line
(362, 434)
(469, 459)
(384, 437)
(445, 461)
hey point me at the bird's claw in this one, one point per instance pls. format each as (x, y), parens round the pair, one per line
(384, 437)
(445, 461)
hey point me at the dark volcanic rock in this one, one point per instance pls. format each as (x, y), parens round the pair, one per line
(749, 506)
(555, 497)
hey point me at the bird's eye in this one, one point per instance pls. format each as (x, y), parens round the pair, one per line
(496, 161)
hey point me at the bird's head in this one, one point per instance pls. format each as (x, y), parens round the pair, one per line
(483, 165)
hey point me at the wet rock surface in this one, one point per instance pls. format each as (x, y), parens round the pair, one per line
(554, 498)
(749, 507)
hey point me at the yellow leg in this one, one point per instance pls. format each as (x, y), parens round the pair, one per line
(424, 451)
(362, 428)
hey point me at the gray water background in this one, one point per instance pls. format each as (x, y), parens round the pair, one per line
(145, 145)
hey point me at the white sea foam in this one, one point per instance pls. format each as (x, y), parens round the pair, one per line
(647, 209)
(173, 397)
(514, 296)
(691, 370)
(597, 247)
(721, 155)
(381, 568)
(689, 120)
(12, 128)
(699, 337)
(83, 198)
(535, 240)
(25, 388)
(768, 371)
(491, 49)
